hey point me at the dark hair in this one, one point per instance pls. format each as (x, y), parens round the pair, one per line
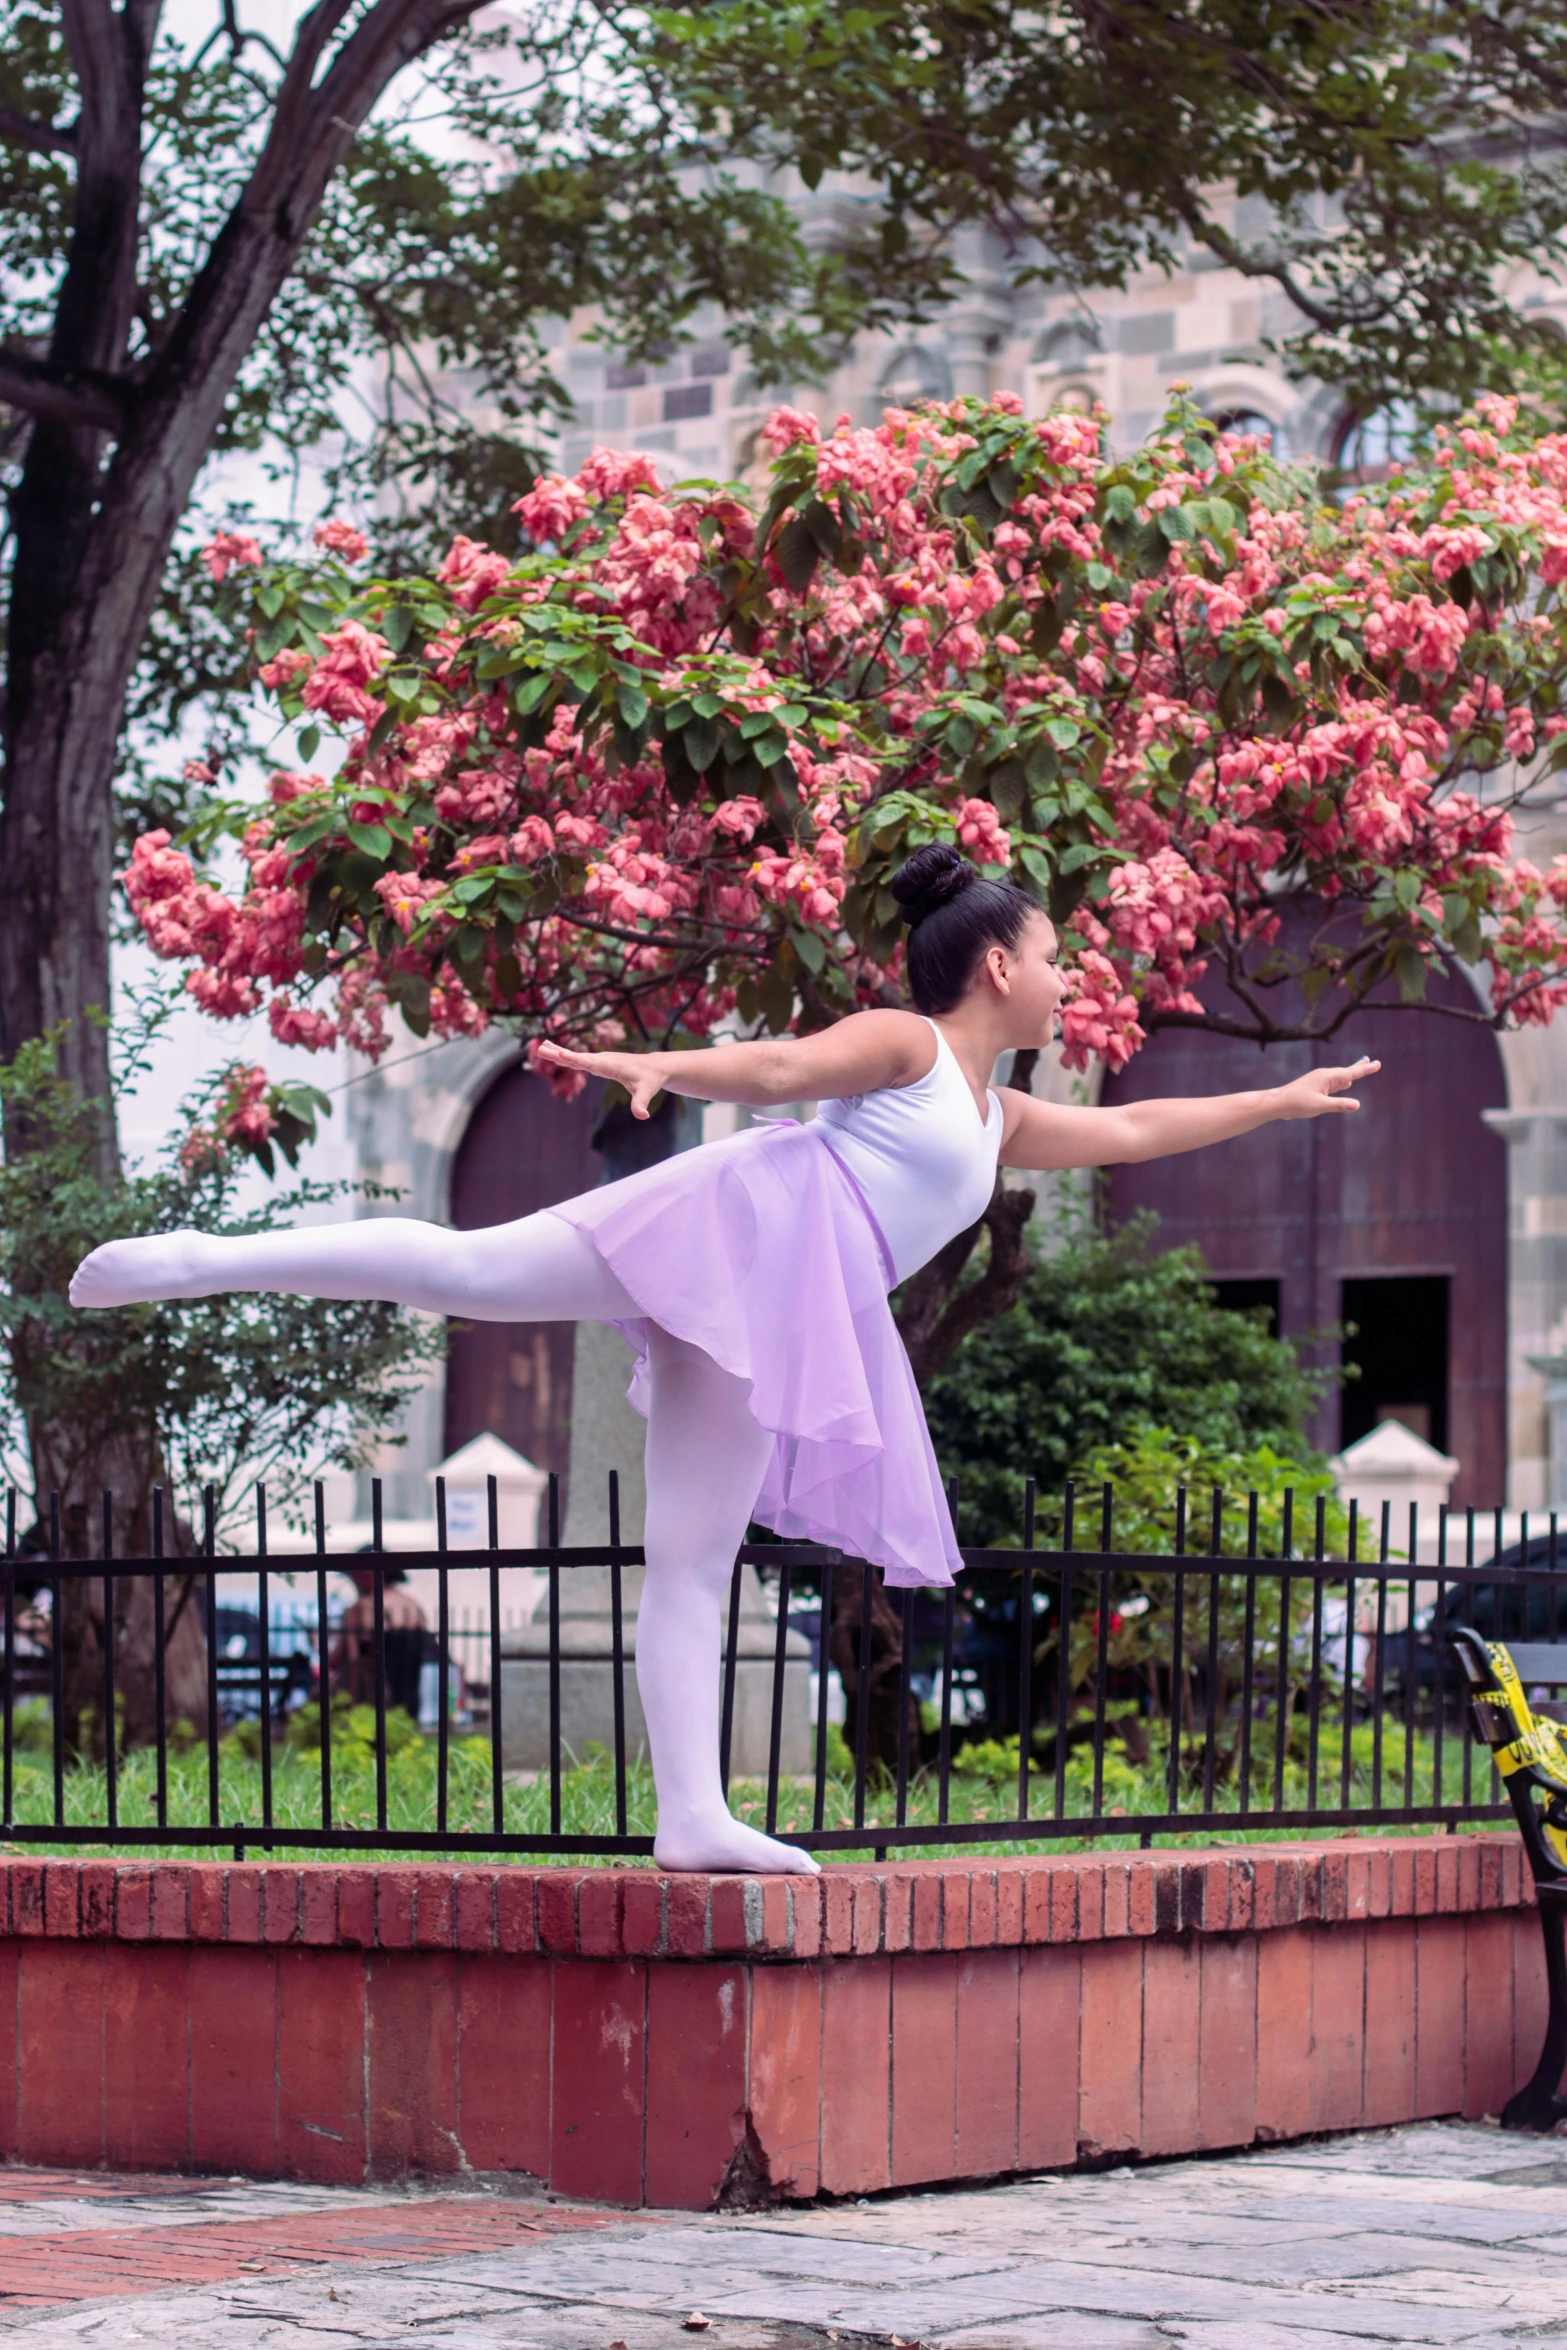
(954, 912)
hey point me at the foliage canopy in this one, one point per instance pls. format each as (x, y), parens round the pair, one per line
(201, 1391)
(659, 769)
(1110, 1339)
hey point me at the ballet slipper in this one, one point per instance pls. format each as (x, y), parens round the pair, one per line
(726, 1847)
(130, 1272)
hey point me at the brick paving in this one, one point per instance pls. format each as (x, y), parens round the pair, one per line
(1434, 2234)
(107, 2262)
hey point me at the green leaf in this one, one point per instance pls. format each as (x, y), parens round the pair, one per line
(775, 999)
(1412, 971)
(634, 704)
(1063, 733)
(309, 834)
(699, 741)
(373, 839)
(397, 626)
(309, 742)
(823, 525)
(797, 554)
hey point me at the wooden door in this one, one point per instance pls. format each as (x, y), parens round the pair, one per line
(1396, 1214)
(523, 1150)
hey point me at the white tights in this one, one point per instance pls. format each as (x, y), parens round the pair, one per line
(706, 1456)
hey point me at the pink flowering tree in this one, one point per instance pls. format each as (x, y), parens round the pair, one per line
(654, 775)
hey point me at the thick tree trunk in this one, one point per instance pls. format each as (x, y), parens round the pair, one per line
(82, 1617)
(111, 463)
(92, 539)
(63, 714)
(885, 1679)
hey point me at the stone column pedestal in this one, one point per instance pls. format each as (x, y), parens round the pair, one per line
(587, 1680)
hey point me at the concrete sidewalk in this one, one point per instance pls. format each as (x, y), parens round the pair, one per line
(1435, 2234)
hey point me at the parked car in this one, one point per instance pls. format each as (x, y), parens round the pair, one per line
(1497, 1611)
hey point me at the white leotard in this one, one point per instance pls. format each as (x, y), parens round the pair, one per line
(921, 1154)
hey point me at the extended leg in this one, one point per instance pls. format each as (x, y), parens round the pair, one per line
(706, 1458)
(536, 1270)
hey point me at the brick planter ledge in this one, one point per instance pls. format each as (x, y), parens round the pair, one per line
(683, 2040)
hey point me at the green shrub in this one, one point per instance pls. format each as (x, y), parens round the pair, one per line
(1110, 1337)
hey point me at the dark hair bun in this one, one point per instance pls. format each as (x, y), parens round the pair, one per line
(932, 877)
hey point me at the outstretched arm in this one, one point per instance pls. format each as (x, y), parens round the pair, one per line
(858, 1055)
(1043, 1135)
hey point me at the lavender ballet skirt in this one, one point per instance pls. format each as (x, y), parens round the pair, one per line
(761, 1251)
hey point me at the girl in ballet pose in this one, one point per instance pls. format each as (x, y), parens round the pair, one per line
(751, 1277)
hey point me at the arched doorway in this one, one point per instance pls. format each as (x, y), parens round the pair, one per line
(523, 1150)
(1394, 1218)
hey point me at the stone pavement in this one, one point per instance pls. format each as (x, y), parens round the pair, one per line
(1439, 2233)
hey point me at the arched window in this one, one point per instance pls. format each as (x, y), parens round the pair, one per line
(1373, 445)
(915, 372)
(1073, 342)
(1252, 420)
(523, 1150)
(1331, 1220)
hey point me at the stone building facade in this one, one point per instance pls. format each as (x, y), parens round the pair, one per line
(698, 415)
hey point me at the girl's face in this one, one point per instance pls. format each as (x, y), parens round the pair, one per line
(1028, 980)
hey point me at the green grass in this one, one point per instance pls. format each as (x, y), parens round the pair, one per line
(983, 1788)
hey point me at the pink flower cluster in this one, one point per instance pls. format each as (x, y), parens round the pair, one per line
(228, 548)
(658, 768)
(244, 1115)
(341, 538)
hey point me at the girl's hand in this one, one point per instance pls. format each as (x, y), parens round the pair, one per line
(641, 1074)
(1322, 1089)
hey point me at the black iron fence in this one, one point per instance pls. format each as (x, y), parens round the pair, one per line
(1242, 1682)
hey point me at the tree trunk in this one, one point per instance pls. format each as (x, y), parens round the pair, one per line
(80, 1631)
(63, 716)
(886, 1669)
(92, 540)
(92, 535)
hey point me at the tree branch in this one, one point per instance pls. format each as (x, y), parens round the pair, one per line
(44, 138)
(1329, 317)
(62, 395)
(98, 57)
(936, 1315)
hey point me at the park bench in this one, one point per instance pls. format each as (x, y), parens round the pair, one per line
(1531, 1754)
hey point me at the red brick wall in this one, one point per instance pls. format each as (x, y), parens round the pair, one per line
(643, 2039)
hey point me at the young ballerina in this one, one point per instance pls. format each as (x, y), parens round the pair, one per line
(752, 1276)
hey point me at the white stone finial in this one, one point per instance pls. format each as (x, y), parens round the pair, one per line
(518, 1487)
